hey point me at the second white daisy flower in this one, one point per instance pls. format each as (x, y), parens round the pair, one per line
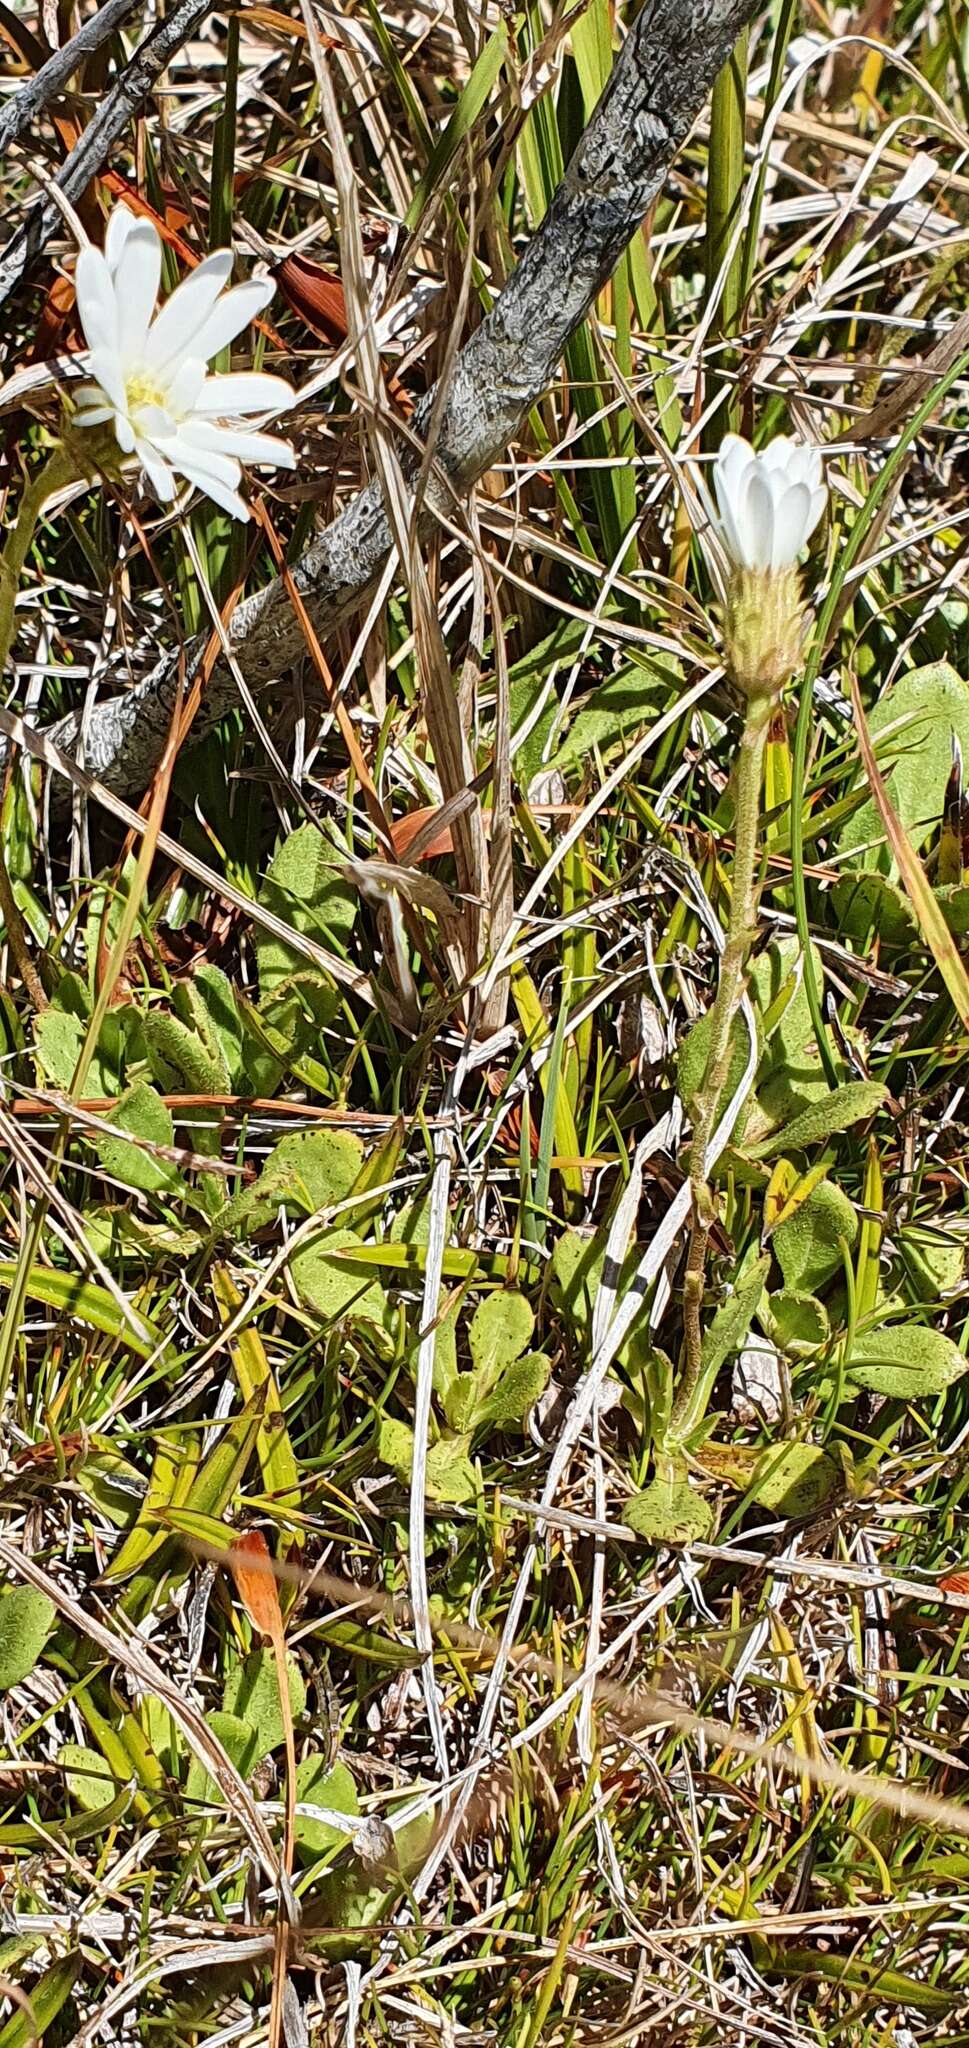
(148, 368)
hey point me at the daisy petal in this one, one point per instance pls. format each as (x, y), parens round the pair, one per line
(728, 529)
(157, 471)
(88, 400)
(137, 289)
(790, 521)
(220, 494)
(124, 433)
(779, 453)
(183, 391)
(818, 501)
(96, 304)
(173, 333)
(120, 224)
(734, 452)
(106, 371)
(235, 311)
(756, 523)
(778, 482)
(733, 459)
(180, 448)
(243, 391)
(236, 442)
(154, 424)
(93, 415)
(804, 466)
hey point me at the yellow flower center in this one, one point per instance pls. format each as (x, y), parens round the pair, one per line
(142, 390)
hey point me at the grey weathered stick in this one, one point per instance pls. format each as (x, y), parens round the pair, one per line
(660, 81)
(91, 152)
(35, 97)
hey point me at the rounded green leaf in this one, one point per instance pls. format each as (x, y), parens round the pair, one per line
(304, 887)
(669, 1511)
(241, 1746)
(450, 1473)
(338, 1290)
(26, 1620)
(800, 1322)
(850, 1104)
(330, 1787)
(934, 1262)
(509, 1402)
(691, 1064)
(918, 714)
(577, 1263)
(314, 1169)
(732, 1320)
(142, 1112)
(89, 1778)
(904, 1361)
(252, 1695)
(864, 902)
(501, 1329)
(790, 1074)
(795, 1480)
(808, 1245)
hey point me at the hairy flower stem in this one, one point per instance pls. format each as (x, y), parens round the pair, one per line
(60, 468)
(733, 966)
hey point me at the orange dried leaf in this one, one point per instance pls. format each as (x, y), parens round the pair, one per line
(414, 825)
(315, 295)
(405, 831)
(252, 1570)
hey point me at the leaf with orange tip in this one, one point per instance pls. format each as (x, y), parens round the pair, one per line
(252, 1570)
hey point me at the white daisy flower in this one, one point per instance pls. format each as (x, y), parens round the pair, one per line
(149, 368)
(769, 504)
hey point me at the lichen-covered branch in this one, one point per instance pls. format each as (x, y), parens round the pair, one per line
(94, 146)
(40, 91)
(658, 86)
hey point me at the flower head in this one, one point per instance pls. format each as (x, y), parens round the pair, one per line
(148, 368)
(767, 507)
(769, 504)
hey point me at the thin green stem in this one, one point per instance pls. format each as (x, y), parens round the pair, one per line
(733, 967)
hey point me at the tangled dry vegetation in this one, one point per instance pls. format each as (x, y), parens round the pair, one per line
(346, 1083)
